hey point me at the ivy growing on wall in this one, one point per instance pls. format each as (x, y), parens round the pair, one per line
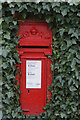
(64, 19)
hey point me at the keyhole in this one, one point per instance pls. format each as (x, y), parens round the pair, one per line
(28, 91)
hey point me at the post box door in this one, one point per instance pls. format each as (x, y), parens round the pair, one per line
(33, 84)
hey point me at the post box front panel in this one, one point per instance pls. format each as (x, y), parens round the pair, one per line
(33, 85)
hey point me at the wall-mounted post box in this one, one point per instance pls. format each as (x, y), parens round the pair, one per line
(34, 47)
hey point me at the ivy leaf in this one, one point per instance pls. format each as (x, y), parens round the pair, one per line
(76, 84)
(72, 51)
(70, 81)
(24, 15)
(7, 86)
(14, 114)
(73, 64)
(69, 43)
(7, 35)
(78, 61)
(48, 20)
(8, 19)
(11, 62)
(78, 14)
(55, 4)
(71, 30)
(61, 31)
(46, 7)
(1, 20)
(39, 9)
(74, 41)
(64, 12)
(21, 8)
(78, 55)
(75, 34)
(18, 4)
(15, 22)
(63, 46)
(74, 109)
(17, 58)
(77, 73)
(72, 89)
(4, 65)
(11, 5)
(63, 115)
(4, 53)
(6, 101)
(11, 76)
(10, 94)
(57, 11)
(25, 6)
(52, 66)
(13, 11)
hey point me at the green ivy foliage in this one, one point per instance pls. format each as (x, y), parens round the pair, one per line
(64, 19)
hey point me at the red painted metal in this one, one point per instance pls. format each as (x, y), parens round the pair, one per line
(35, 34)
(35, 44)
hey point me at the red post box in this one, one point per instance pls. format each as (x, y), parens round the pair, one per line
(35, 45)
